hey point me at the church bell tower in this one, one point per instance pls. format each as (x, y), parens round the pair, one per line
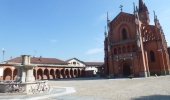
(143, 13)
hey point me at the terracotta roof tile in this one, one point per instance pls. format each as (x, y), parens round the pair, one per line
(94, 63)
(38, 60)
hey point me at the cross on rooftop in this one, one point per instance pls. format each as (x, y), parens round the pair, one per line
(121, 7)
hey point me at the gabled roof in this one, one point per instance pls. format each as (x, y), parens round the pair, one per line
(75, 59)
(121, 14)
(39, 60)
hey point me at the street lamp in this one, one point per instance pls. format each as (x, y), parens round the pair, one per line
(3, 51)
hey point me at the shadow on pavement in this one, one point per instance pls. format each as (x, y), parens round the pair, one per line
(153, 97)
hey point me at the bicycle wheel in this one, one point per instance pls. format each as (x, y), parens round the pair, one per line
(37, 89)
(8, 89)
(46, 88)
(21, 89)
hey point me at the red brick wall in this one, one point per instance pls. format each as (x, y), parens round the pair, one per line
(169, 52)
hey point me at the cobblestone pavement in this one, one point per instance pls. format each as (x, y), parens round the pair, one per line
(151, 88)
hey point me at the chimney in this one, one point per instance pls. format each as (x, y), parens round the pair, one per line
(10, 57)
(40, 56)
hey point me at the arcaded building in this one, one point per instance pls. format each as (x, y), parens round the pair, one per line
(50, 68)
(134, 47)
(47, 68)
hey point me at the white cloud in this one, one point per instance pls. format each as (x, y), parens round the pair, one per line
(53, 40)
(95, 50)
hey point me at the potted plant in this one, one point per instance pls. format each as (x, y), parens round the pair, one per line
(108, 77)
(130, 76)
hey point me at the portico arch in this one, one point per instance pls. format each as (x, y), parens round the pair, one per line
(75, 73)
(7, 74)
(46, 74)
(67, 74)
(71, 73)
(52, 76)
(62, 73)
(39, 74)
(57, 73)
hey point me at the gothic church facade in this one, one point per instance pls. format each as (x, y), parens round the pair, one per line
(134, 47)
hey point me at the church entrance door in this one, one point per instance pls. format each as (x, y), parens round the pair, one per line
(126, 69)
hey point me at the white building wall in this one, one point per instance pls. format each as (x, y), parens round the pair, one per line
(92, 68)
(74, 62)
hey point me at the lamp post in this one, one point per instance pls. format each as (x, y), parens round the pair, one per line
(3, 51)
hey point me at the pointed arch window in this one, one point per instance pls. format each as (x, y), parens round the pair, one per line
(133, 48)
(115, 51)
(128, 49)
(124, 34)
(119, 50)
(152, 56)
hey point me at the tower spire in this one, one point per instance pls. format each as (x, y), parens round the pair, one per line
(105, 33)
(155, 16)
(134, 7)
(108, 22)
(107, 16)
(141, 5)
(143, 13)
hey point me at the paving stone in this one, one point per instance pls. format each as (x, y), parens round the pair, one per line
(152, 88)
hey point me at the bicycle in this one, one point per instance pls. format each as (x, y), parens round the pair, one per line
(14, 87)
(42, 87)
(33, 90)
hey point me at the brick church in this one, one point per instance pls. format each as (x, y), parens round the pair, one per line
(134, 47)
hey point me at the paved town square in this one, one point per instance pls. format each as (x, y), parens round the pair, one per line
(151, 88)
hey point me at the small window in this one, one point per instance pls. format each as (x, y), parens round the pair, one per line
(119, 50)
(152, 56)
(124, 35)
(74, 63)
(115, 51)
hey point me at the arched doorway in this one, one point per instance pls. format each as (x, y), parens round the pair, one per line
(46, 74)
(75, 73)
(126, 69)
(39, 74)
(71, 73)
(52, 76)
(62, 73)
(7, 74)
(67, 74)
(58, 74)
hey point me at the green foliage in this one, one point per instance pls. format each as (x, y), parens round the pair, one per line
(130, 76)
(108, 77)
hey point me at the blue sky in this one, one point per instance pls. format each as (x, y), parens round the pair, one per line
(65, 29)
